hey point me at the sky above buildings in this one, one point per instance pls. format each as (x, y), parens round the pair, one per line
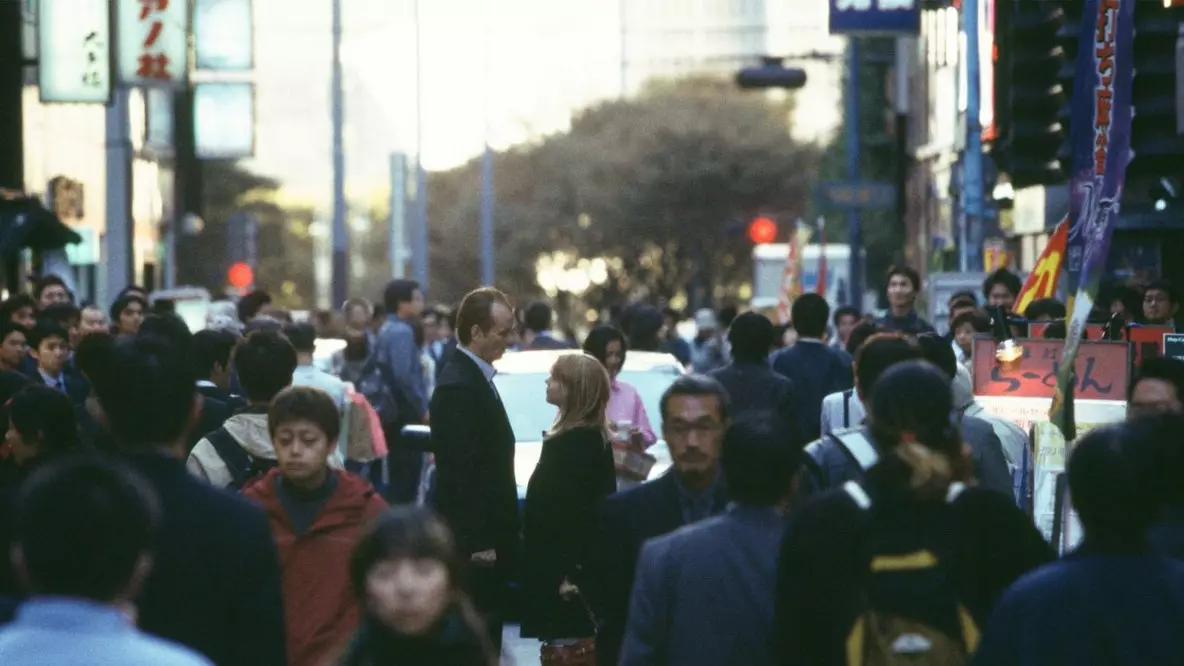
(506, 70)
(517, 66)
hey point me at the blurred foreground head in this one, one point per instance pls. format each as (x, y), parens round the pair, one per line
(148, 394)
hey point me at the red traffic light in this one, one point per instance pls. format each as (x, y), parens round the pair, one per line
(240, 275)
(762, 230)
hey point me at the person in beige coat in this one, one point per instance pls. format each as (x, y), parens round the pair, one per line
(242, 449)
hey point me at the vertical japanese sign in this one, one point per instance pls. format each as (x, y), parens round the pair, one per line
(153, 42)
(75, 43)
(1099, 129)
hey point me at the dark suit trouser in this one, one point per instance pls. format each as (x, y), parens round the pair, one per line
(403, 467)
(489, 596)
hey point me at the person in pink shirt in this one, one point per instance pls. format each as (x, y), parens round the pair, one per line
(607, 344)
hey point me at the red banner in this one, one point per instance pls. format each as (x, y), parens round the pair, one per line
(1042, 281)
(1102, 368)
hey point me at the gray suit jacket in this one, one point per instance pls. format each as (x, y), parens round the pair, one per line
(702, 594)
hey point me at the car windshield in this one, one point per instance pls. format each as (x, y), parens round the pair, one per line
(525, 396)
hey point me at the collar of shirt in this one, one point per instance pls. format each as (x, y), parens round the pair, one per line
(73, 614)
(205, 383)
(706, 497)
(486, 368)
(52, 382)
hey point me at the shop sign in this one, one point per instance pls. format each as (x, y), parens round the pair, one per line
(74, 65)
(153, 42)
(1102, 370)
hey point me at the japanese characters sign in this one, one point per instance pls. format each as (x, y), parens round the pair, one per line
(153, 42)
(899, 17)
(1102, 368)
(75, 44)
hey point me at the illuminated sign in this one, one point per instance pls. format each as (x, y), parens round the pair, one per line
(894, 17)
(153, 42)
(74, 37)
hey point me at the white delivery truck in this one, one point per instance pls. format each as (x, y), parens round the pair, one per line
(768, 263)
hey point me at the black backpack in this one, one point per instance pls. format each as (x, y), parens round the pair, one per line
(242, 465)
(912, 614)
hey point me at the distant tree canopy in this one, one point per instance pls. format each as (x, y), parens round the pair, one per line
(660, 186)
(283, 243)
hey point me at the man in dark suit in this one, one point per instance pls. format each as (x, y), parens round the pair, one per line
(695, 414)
(815, 369)
(212, 354)
(215, 586)
(473, 443)
(536, 323)
(752, 385)
(679, 612)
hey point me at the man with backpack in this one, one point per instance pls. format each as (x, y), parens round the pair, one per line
(242, 448)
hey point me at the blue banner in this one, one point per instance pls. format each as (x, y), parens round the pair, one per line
(1100, 136)
(883, 17)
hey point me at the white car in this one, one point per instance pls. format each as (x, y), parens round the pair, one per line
(521, 382)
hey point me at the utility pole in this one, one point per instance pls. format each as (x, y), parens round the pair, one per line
(854, 231)
(117, 239)
(397, 248)
(340, 232)
(419, 230)
(904, 45)
(624, 34)
(971, 236)
(487, 259)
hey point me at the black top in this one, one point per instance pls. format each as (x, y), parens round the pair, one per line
(816, 371)
(990, 544)
(574, 474)
(451, 642)
(302, 506)
(473, 443)
(755, 388)
(215, 580)
(627, 520)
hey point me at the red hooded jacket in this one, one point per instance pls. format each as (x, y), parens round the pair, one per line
(320, 609)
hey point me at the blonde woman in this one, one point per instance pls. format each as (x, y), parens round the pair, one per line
(574, 473)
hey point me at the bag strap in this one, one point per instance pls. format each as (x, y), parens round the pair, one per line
(847, 408)
(237, 460)
(858, 447)
(857, 493)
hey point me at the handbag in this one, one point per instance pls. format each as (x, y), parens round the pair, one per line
(580, 652)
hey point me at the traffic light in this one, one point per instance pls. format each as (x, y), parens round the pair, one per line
(1035, 93)
(762, 231)
(770, 74)
(240, 275)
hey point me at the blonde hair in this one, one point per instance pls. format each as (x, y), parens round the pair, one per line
(586, 392)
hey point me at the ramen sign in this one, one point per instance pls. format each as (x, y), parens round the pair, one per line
(1102, 368)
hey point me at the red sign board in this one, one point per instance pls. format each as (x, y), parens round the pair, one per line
(1147, 340)
(1103, 370)
(1092, 331)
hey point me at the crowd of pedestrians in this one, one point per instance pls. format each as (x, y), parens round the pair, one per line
(217, 497)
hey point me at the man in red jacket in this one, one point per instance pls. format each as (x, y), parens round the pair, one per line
(316, 514)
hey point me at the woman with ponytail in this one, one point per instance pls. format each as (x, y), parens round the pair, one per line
(918, 503)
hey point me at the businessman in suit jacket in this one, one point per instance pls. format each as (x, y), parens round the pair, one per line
(701, 595)
(695, 414)
(537, 323)
(753, 386)
(473, 443)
